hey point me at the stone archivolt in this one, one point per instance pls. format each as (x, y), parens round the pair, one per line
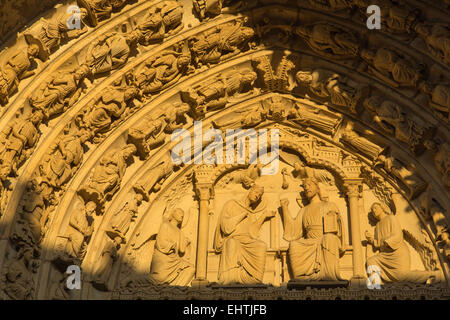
(86, 147)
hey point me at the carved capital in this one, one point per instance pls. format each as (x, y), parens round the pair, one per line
(203, 175)
(353, 187)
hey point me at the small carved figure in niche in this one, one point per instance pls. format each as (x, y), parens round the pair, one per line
(393, 258)
(441, 159)
(242, 254)
(323, 120)
(207, 8)
(14, 70)
(102, 273)
(152, 132)
(170, 261)
(111, 106)
(315, 236)
(17, 277)
(60, 92)
(57, 28)
(160, 21)
(330, 85)
(62, 159)
(17, 142)
(406, 175)
(110, 51)
(392, 119)
(153, 180)
(107, 176)
(159, 72)
(437, 38)
(215, 93)
(34, 214)
(393, 67)
(121, 221)
(99, 10)
(439, 96)
(329, 39)
(358, 142)
(220, 43)
(80, 232)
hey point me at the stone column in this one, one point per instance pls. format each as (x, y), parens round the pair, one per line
(352, 190)
(203, 188)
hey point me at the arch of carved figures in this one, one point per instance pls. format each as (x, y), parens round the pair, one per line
(86, 172)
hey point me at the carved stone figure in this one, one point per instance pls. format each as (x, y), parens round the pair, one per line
(99, 10)
(214, 93)
(394, 68)
(151, 133)
(441, 159)
(329, 39)
(170, 261)
(407, 176)
(330, 85)
(315, 236)
(121, 221)
(242, 254)
(17, 277)
(439, 96)
(107, 175)
(102, 273)
(162, 71)
(161, 20)
(393, 120)
(243, 118)
(205, 8)
(62, 159)
(80, 232)
(153, 180)
(16, 69)
(110, 51)
(57, 28)
(393, 258)
(437, 38)
(111, 106)
(60, 92)
(17, 141)
(358, 142)
(323, 120)
(220, 43)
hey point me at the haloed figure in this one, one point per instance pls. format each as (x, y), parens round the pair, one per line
(243, 255)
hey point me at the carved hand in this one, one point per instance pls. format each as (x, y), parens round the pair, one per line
(284, 203)
(369, 237)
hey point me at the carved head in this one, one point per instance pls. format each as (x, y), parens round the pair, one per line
(129, 151)
(37, 117)
(90, 208)
(431, 145)
(367, 55)
(379, 211)
(248, 77)
(304, 77)
(33, 50)
(5, 169)
(373, 103)
(246, 33)
(138, 197)
(178, 216)
(131, 93)
(81, 72)
(83, 13)
(85, 135)
(255, 194)
(311, 186)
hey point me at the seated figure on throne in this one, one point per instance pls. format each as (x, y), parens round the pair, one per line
(243, 256)
(315, 236)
